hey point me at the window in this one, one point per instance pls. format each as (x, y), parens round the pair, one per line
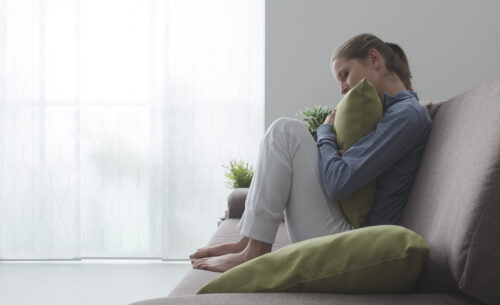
(116, 118)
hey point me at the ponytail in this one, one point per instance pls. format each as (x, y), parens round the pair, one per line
(399, 64)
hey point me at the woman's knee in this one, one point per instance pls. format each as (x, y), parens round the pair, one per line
(288, 124)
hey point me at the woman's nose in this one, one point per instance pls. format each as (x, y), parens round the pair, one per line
(344, 89)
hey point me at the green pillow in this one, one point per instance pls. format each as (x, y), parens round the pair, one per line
(357, 115)
(377, 259)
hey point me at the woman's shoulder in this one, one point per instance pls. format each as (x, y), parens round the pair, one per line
(409, 110)
(407, 101)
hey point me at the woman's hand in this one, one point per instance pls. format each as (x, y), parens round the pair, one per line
(330, 119)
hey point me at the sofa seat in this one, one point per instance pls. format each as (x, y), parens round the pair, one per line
(313, 298)
(185, 291)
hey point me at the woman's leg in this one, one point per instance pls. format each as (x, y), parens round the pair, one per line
(286, 184)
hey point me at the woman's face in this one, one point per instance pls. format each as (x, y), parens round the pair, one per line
(350, 72)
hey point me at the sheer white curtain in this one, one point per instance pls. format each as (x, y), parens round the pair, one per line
(116, 118)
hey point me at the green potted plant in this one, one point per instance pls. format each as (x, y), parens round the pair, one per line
(314, 117)
(239, 174)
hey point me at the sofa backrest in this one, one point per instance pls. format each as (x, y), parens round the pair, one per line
(455, 200)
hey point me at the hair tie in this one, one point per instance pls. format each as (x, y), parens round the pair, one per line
(388, 44)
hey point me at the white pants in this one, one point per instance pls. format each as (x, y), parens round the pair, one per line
(287, 183)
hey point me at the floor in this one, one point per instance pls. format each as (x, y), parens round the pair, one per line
(93, 282)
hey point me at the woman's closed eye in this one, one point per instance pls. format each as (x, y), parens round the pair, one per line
(343, 75)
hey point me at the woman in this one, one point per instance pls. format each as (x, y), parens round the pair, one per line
(301, 181)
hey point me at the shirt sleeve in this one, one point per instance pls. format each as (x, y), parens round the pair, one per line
(394, 136)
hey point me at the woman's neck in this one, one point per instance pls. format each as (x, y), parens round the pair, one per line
(391, 85)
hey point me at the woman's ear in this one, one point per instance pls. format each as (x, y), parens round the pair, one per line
(374, 58)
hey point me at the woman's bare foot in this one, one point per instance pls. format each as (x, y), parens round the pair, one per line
(225, 262)
(221, 249)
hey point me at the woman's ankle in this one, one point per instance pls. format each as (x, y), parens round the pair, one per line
(243, 242)
(256, 248)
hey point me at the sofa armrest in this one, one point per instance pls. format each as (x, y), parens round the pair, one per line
(236, 203)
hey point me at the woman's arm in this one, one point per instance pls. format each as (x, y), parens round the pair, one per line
(395, 135)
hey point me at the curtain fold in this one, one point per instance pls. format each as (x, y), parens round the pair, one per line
(116, 118)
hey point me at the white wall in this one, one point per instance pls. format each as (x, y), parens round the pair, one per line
(452, 45)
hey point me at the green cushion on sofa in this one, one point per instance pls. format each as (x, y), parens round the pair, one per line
(378, 259)
(357, 115)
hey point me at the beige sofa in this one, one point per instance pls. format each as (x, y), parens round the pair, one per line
(454, 205)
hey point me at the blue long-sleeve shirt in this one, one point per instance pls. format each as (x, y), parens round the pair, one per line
(391, 154)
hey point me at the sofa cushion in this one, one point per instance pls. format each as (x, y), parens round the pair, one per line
(432, 107)
(378, 259)
(357, 115)
(455, 200)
